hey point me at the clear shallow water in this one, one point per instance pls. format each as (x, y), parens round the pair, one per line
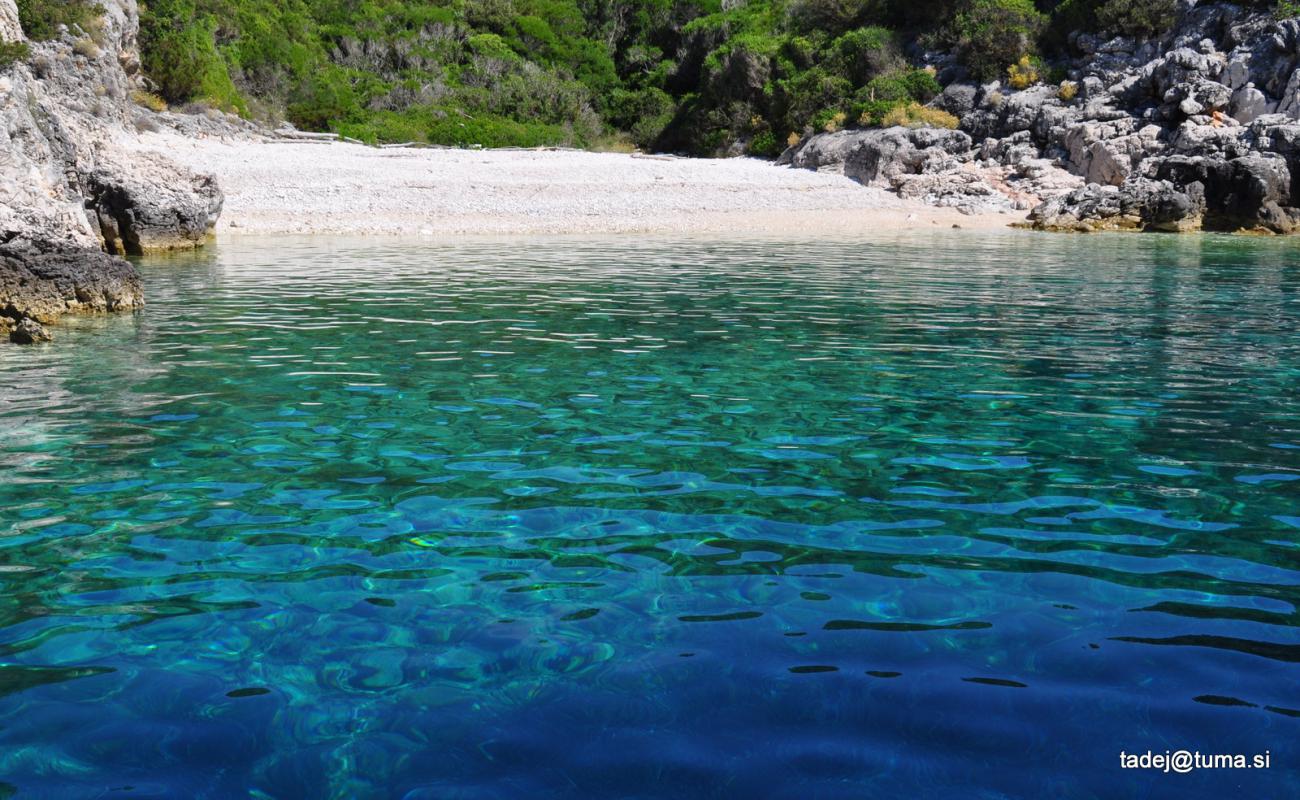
(931, 516)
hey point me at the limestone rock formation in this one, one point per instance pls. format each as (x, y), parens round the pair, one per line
(146, 203)
(1198, 128)
(44, 285)
(68, 191)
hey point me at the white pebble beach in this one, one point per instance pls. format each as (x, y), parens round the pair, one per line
(278, 187)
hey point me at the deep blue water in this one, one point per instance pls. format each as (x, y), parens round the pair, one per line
(930, 516)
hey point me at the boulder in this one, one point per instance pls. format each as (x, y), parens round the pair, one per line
(1248, 193)
(823, 152)
(965, 190)
(42, 284)
(883, 154)
(1220, 141)
(146, 203)
(1289, 102)
(1198, 96)
(874, 156)
(957, 99)
(1248, 103)
(1140, 204)
(29, 331)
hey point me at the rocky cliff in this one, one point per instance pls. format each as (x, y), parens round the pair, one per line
(1197, 129)
(69, 196)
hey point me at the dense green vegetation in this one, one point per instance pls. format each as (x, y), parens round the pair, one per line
(701, 76)
(41, 19)
(11, 52)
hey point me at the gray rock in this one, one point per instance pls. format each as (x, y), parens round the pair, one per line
(1248, 193)
(1289, 102)
(1139, 204)
(1198, 96)
(823, 152)
(875, 156)
(1248, 103)
(1194, 139)
(61, 116)
(149, 204)
(10, 29)
(43, 283)
(882, 154)
(1092, 88)
(957, 99)
(29, 331)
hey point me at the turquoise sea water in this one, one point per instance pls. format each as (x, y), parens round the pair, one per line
(950, 515)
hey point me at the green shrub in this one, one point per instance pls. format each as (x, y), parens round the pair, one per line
(13, 52)
(490, 131)
(994, 33)
(808, 93)
(644, 113)
(765, 145)
(1070, 16)
(326, 99)
(883, 94)
(41, 18)
(1138, 18)
(832, 16)
(183, 60)
(867, 52)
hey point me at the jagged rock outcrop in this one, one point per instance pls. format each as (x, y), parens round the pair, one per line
(1197, 129)
(938, 166)
(43, 285)
(68, 191)
(1141, 204)
(146, 203)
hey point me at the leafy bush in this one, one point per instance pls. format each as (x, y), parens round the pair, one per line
(13, 52)
(884, 93)
(766, 145)
(993, 33)
(327, 98)
(1137, 18)
(915, 115)
(184, 62)
(41, 18)
(488, 131)
(867, 52)
(832, 15)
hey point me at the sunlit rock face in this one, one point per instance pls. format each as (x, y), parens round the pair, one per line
(68, 191)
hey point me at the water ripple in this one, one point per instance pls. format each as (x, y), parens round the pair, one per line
(578, 518)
